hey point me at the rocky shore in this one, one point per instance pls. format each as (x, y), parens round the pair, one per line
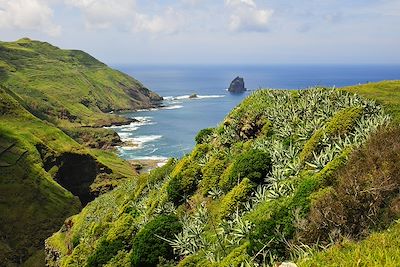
(146, 165)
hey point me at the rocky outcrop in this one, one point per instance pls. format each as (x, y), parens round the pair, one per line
(237, 86)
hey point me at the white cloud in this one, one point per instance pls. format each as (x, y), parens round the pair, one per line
(249, 3)
(247, 16)
(28, 15)
(104, 14)
(125, 15)
(168, 23)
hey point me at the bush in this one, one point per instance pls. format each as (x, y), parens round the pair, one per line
(362, 193)
(211, 174)
(203, 135)
(184, 184)
(148, 247)
(199, 151)
(237, 257)
(104, 252)
(311, 145)
(235, 197)
(252, 125)
(180, 166)
(191, 261)
(269, 232)
(341, 123)
(252, 164)
(158, 174)
(123, 229)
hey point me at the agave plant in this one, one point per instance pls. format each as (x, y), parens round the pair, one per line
(235, 230)
(292, 118)
(191, 239)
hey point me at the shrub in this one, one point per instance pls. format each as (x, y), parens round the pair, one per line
(311, 145)
(148, 247)
(237, 257)
(180, 166)
(340, 124)
(362, 192)
(211, 174)
(191, 261)
(379, 249)
(104, 252)
(199, 151)
(203, 135)
(235, 197)
(252, 164)
(343, 121)
(160, 173)
(266, 129)
(184, 184)
(268, 233)
(122, 229)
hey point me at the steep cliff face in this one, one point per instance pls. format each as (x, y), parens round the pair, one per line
(257, 189)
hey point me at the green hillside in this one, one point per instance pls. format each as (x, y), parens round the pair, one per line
(285, 176)
(68, 85)
(46, 174)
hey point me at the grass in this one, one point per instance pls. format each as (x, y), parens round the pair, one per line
(386, 93)
(32, 204)
(379, 249)
(64, 85)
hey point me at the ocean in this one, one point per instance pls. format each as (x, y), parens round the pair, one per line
(170, 131)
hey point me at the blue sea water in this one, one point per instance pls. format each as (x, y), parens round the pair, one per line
(170, 131)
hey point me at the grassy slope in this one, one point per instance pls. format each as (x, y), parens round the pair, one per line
(381, 248)
(68, 85)
(41, 91)
(307, 135)
(32, 203)
(386, 93)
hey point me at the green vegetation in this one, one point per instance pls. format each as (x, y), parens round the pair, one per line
(254, 165)
(285, 174)
(203, 135)
(235, 197)
(363, 197)
(49, 166)
(149, 245)
(183, 184)
(104, 252)
(340, 124)
(64, 86)
(379, 249)
(385, 93)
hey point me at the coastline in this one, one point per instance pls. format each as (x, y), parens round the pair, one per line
(146, 165)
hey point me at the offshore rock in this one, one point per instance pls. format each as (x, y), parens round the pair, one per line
(237, 86)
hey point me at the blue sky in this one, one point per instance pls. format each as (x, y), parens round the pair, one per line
(213, 31)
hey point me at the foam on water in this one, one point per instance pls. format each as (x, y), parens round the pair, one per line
(183, 97)
(139, 141)
(172, 107)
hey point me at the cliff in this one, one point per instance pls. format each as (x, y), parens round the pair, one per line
(49, 164)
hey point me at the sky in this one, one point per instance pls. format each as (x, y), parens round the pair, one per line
(212, 31)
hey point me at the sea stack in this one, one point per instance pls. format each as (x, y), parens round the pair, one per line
(237, 86)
